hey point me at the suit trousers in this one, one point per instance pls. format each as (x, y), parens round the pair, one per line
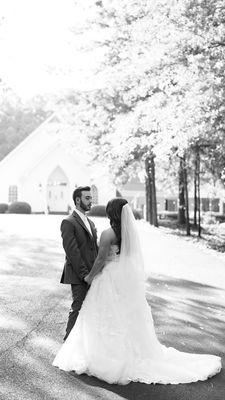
(79, 291)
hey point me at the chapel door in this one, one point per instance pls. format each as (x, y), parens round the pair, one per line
(58, 191)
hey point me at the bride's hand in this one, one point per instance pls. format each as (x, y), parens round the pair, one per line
(87, 279)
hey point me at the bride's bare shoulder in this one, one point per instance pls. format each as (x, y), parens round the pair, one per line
(108, 235)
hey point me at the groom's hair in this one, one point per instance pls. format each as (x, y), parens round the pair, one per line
(78, 192)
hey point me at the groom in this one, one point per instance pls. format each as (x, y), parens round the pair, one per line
(80, 244)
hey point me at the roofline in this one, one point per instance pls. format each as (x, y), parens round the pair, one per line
(27, 139)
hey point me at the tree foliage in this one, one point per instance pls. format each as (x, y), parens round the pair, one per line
(163, 81)
(18, 120)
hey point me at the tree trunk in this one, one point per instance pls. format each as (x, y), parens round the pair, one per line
(148, 192)
(198, 191)
(147, 198)
(195, 192)
(186, 198)
(151, 202)
(154, 199)
(181, 197)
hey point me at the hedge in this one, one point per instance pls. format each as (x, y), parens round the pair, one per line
(3, 208)
(168, 214)
(19, 207)
(97, 211)
(100, 211)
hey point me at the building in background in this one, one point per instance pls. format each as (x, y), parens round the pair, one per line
(212, 200)
(44, 170)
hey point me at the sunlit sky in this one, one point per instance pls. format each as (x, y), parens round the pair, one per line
(38, 48)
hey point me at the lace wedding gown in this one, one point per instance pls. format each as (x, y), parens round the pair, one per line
(114, 337)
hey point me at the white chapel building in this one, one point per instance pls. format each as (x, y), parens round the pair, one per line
(44, 169)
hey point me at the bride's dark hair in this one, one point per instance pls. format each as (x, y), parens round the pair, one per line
(113, 211)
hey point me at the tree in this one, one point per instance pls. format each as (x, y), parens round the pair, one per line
(168, 102)
(17, 120)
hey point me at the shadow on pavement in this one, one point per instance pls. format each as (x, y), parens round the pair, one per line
(30, 257)
(187, 315)
(190, 317)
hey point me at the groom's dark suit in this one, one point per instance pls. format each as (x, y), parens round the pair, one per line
(81, 251)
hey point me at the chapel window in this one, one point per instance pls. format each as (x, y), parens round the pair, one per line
(13, 193)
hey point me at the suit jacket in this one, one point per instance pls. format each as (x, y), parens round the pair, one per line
(80, 247)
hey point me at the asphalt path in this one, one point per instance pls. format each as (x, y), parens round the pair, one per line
(188, 315)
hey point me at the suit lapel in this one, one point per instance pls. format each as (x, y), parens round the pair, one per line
(94, 234)
(78, 219)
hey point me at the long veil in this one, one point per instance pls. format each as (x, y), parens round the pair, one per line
(131, 259)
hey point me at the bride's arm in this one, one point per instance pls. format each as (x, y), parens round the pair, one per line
(104, 246)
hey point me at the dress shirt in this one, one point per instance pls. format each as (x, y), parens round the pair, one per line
(84, 219)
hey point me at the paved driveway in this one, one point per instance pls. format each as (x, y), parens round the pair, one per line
(188, 307)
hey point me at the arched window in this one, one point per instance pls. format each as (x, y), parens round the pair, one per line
(94, 192)
(13, 193)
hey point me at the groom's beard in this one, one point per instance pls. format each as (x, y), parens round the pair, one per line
(84, 206)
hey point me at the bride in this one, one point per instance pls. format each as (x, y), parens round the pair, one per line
(114, 337)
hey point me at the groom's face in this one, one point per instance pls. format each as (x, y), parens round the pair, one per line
(86, 201)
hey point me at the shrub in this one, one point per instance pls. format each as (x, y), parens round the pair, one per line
(168, 214)
(137, 214)
(211, 217)
(208, 219)
(3, 208)
(19, 207)
(97, 211)
(100, 211)
(220, 218)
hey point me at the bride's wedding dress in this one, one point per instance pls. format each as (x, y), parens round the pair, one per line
(114, 337)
